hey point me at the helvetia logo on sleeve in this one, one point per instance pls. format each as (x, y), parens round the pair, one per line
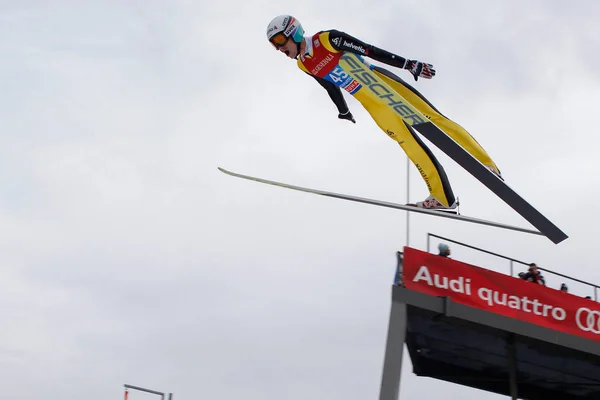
(355, 47)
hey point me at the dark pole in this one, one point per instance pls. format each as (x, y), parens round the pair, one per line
(512, 366)
(162, 395)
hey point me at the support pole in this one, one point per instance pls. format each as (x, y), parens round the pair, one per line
(392, 364)
(512, 366)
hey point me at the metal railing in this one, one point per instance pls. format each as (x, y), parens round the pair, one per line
(141, 389)
(511, 261)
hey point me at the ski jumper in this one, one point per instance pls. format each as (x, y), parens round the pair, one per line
(335, 60)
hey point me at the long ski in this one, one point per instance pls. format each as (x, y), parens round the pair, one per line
(421, 122)
(384, 203)
(445, 143)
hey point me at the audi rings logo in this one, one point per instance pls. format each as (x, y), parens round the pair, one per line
(588, 320)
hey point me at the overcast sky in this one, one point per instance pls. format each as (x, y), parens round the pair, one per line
(127, 257)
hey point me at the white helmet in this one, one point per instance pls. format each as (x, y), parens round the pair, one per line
(283, 27)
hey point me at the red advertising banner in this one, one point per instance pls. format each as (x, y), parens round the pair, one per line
(501, 294)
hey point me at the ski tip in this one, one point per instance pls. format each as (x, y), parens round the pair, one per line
(230, 173)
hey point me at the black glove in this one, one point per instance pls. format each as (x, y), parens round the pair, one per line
(347, 115)
(419, 69)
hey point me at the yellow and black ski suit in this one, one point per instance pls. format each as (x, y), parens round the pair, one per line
(336, 60)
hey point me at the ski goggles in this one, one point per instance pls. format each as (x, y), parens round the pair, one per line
(279, 40)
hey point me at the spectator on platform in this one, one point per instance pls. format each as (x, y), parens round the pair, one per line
(534, 275)
(444, 250)
(564, 288)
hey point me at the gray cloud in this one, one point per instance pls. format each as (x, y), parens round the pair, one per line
(128, 258)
